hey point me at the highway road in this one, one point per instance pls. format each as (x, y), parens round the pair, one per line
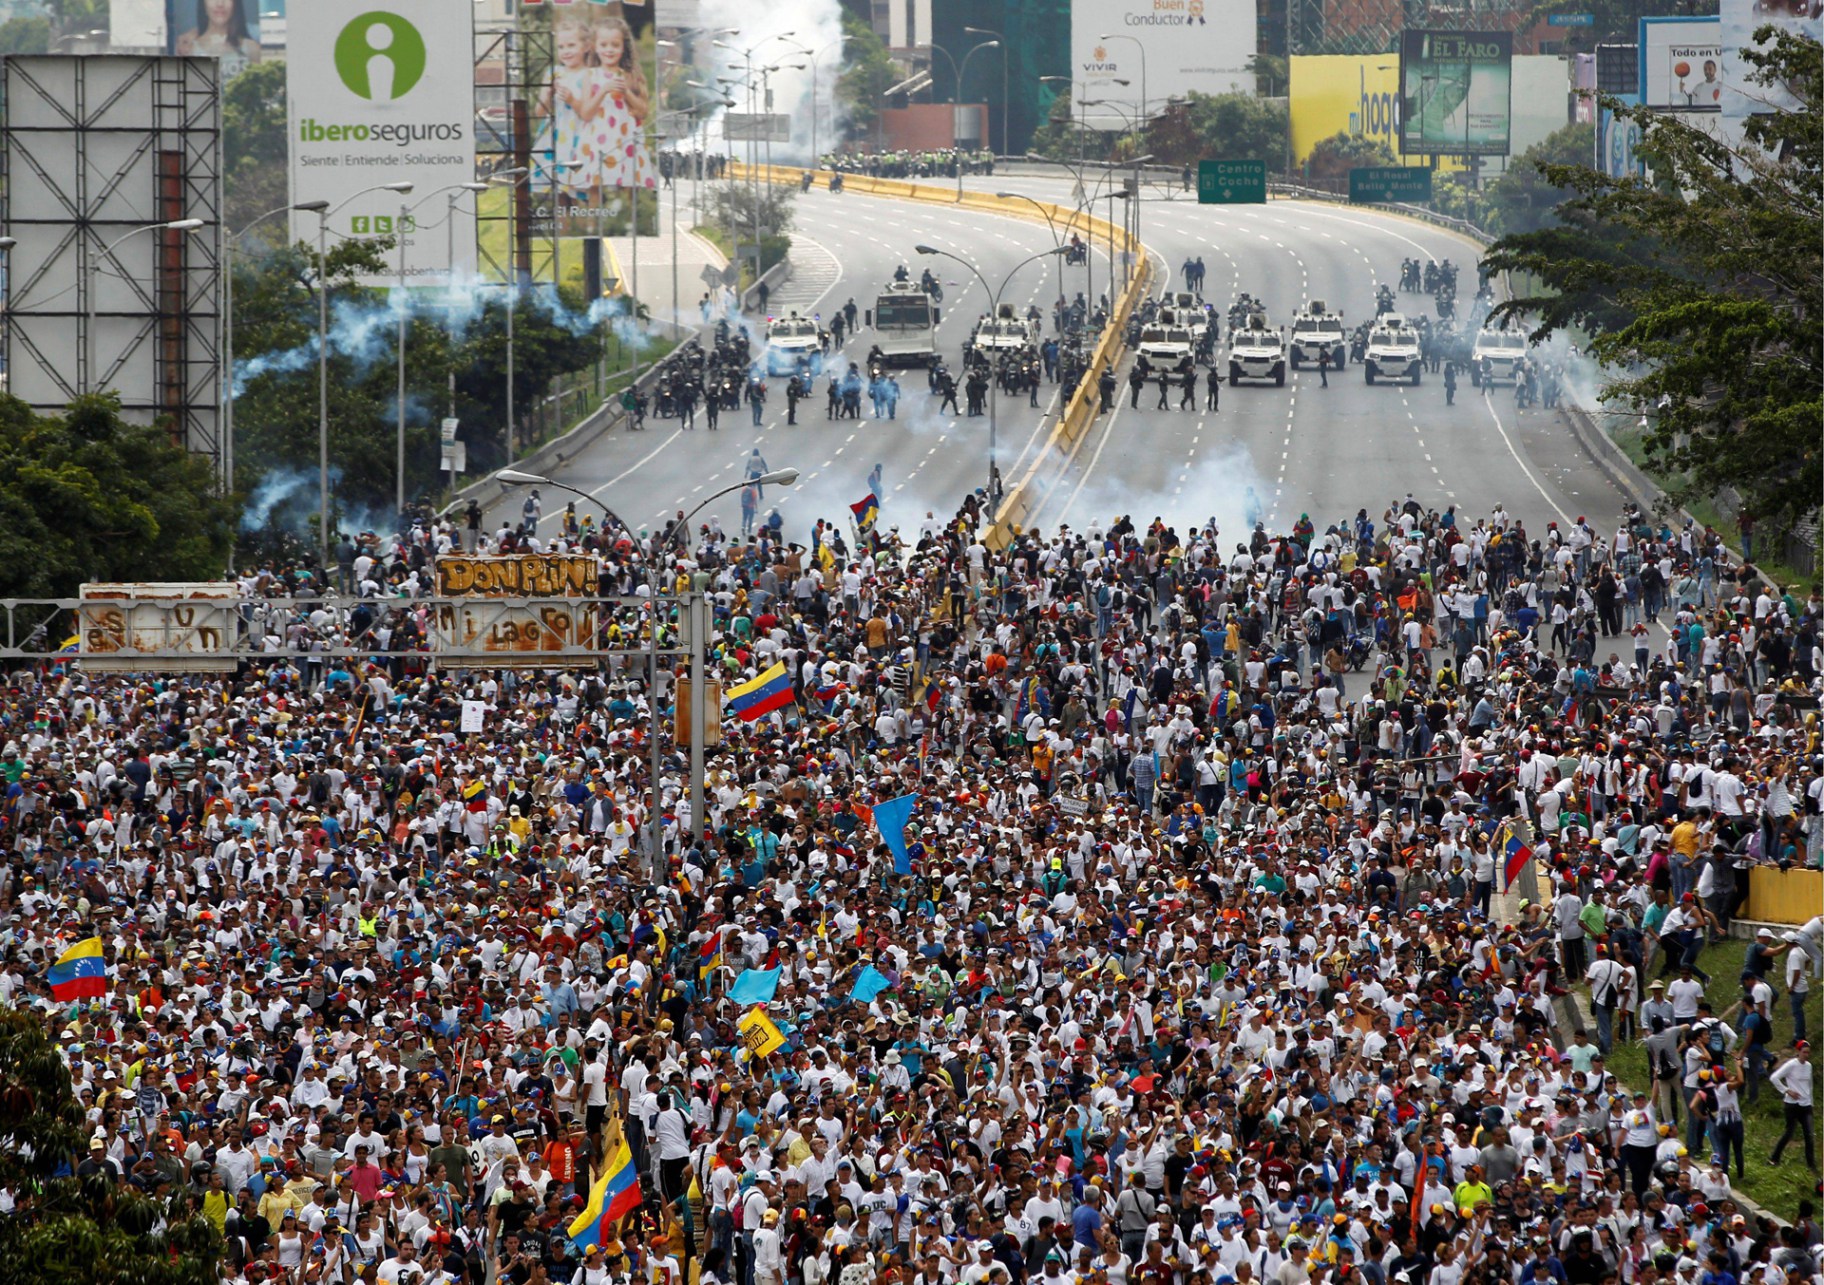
(1305, 448)
(1299, 449)
(929, 461)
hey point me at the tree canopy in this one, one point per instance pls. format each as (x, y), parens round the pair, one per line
(1226, 127)
(1332, 158)
(1700, 289)
(87, 496)
(276, 406)
(254, 146)
(867, 73)
(68, 1230)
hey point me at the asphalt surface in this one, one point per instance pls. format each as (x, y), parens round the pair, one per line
(929, 461)
(1272, 452)
(1306, 448)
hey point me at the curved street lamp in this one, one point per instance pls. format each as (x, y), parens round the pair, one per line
(994, 308)
(655, 815)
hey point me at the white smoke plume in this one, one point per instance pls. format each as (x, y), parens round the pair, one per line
(785, 35)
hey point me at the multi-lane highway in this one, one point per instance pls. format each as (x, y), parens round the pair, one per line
(1285, 451)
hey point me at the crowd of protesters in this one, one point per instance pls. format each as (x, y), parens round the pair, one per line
(1202, 966)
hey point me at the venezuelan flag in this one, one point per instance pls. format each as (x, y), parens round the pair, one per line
(759, 695)
(615, 1195)
(709, 956)
(866, 511)
(80, 972)
(1515, 854)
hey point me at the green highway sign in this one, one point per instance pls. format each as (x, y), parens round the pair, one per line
(1231, 182)
(1374, 183)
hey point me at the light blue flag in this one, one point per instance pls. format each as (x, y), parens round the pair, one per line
(890, 819)
(755, 986)
(869, 983)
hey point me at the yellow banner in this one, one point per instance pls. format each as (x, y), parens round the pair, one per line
(532, 575)
(1345, 93)
(758, 1034)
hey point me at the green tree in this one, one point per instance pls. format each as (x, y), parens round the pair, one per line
(69, 16)
(733, 207)
(78, 1231)
(1225, 127)
(276, 403)
(87, 496)
(254, 147)
(1061, 139)
(1524, 198)
(1332, 158)
(1703, 288)
(1272, 73)
(868, 72)
(25, 36)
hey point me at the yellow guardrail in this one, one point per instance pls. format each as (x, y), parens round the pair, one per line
(1028, 492)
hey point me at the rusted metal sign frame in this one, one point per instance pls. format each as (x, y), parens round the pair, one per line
(34, 629)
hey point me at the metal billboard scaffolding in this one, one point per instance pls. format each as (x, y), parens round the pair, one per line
(1374, 26)
(515, 233)
(96, 151)
(203, 628)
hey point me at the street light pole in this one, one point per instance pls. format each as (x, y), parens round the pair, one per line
(323, 209)
(994, 397)
(1000, 39)
(1142, 48)
(225, 373)
(93, 382)
(511, 178)
(400, 310)
(656, 766)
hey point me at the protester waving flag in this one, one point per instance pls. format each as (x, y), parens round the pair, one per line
(80, 972)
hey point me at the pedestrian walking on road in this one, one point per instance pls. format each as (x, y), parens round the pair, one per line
(1213, 390)
(1323, 366)
(1165, 388)
(1187, 400)
(1136, 380)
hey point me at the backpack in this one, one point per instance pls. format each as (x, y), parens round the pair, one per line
(1714, 1041)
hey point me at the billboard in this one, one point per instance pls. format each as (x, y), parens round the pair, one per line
(383, 92)
(99, 296)
(1618, 141)
(1681, 64)
(224, 29)
(1184, 46)
(594, 112)
(137, 24)
(1456, 93)
(1740, 19)
(1344, 93)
